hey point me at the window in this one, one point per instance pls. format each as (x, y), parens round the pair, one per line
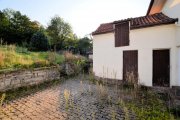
(122, 34)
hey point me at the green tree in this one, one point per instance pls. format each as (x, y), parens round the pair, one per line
(19, 28)
(3, 24)
(70, 43)
(84, 45)
(59, 30)
(39, 42)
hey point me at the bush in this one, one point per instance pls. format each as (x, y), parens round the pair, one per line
(176, 111)
(75, 62)
(21, 50)
(39, 42)
(39, 63)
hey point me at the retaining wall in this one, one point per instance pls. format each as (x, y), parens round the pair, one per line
(21, 78)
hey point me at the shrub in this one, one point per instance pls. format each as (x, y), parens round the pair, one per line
(11, 48)
(39, 42)
(176, 111)
(1, 59)
(51, 57)
(79, 62)
(39, 63)
(71, 58)
(73, 64)
(21, 50)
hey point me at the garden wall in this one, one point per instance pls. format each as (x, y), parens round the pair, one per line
(20, 78)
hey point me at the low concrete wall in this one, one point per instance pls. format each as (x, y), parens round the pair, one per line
(20, 78)
(109, 81)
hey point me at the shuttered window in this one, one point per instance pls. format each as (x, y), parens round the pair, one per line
(122, 34)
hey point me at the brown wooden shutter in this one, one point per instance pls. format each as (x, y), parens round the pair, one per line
(122, 34)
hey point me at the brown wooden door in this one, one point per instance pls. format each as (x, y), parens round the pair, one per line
(161, 71)
(130, 64)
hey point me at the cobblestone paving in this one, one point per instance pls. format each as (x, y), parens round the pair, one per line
(86, 102)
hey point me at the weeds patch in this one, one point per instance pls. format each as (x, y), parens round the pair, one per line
(143, 102)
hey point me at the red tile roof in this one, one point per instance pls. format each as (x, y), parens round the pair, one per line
(138, 22)
(104, 28)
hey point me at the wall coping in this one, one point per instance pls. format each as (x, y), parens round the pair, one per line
(28, 69)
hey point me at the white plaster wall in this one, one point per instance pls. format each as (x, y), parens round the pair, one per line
(108, 60)
(178, 66)
(178, 35)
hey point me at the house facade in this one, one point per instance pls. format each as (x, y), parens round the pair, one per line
(148, 46)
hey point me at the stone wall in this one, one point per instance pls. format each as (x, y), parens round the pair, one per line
(20, 78)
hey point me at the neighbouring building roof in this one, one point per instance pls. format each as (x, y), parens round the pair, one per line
(155, 6)
(138, 22)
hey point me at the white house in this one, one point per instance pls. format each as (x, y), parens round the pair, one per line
(147, 45)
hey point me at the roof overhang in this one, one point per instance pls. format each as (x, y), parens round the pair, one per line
(137, 23)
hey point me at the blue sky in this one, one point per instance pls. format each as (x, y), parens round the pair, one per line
(83, 15)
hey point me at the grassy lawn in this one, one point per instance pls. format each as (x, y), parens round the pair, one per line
(13, 57)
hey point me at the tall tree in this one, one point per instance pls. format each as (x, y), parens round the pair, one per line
(19, 28)
(84, 45)
(59, 30)
(39, 42)
(3, 24)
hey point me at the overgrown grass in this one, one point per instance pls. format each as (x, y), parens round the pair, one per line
(142, 101)
(13, 57)
(148, 106)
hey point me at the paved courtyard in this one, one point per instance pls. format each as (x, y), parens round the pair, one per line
(71, 100)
